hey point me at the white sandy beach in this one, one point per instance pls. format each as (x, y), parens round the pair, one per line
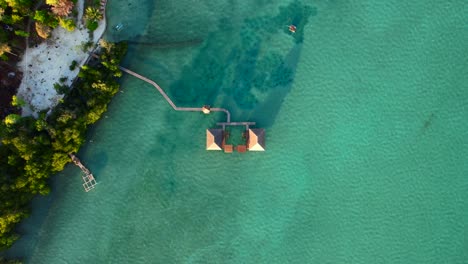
(45, 64)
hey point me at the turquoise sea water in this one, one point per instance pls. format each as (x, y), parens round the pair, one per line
(365, 110)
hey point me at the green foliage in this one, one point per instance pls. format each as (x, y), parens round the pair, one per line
(61, 88)
(7, 223)
(21, 33)
(73, 65)
(13, 11)
(67, 24)
(41, 16)
(85, 46)
(46, 18)
(92, 25)
(17, 101)
(31, 150)
(41, 125)
(93, 14)
(3, 35)
(15, 19)
(110, 59)
(12, 119)
(21, 7)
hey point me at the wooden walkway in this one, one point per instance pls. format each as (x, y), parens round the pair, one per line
(161, 91)
(246, 124)
(88, 178)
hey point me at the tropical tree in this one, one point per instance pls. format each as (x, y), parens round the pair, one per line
(62, 8)
(21, 7)
(93, 14)
(67, 24)
(12, 119)
(46, 18)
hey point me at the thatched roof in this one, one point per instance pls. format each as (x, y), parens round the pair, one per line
(214, 139)
(256, 139)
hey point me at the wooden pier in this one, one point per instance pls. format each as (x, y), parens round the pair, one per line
(216, 138)
(88, 178)
(161, 91)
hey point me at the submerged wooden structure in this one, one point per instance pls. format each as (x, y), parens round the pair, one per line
(88, 179)
(216, 137)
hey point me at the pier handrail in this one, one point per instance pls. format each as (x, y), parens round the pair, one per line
(161, 91)
(228, 115)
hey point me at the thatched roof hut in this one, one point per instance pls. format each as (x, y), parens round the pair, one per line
(256, 139)
(214, 139)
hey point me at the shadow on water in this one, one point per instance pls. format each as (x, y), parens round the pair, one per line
(235, 66)
(166, 45)
(99, 162)
(239, 65)
(266, 111)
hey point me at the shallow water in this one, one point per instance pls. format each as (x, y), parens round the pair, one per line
(365, 111)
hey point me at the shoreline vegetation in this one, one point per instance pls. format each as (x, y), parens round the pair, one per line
(32, 149)
(44, 120)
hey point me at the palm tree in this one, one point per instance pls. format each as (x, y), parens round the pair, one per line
(4, 48)
(93, 14)
(62, 8)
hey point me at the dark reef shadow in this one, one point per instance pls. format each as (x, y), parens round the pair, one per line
(266, 111)
(99, 163)
(236, 67)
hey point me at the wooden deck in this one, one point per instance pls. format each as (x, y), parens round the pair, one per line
(246, 124)
(241, 148)
(227, 148)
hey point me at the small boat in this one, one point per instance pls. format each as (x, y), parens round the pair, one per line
(292, 28)
(119, 27)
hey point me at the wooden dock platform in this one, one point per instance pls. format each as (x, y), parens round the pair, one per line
(241, 148)
(227, 148)
(88, 178)
(246, 124)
